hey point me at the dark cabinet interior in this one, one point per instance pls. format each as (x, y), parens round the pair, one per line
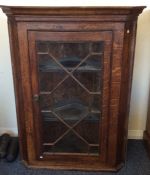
(72, 73)
(69, 82)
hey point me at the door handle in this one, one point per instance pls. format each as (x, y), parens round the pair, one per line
(36, 97)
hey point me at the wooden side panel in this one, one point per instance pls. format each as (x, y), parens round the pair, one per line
(126, 82)
(13, 38)
(26, 90)
(115, 86)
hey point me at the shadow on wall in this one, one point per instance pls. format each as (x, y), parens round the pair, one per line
(141, 77)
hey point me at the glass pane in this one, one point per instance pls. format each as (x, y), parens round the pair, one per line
(70, 83)
(94, 150)
(71, 144)
(90, 80)
(96, 103)
(91, 135)
(69, 51)
(97, 47)
(71, 110)
(53, 127)
(60, 96)
(50, 73)
(48, 81)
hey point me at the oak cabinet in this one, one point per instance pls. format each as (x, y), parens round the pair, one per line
(72, 72)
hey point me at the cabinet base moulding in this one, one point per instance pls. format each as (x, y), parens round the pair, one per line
(75, 166)
(135, 134)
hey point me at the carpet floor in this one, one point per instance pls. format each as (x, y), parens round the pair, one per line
(137, 163)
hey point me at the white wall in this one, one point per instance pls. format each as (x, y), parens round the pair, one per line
(7, 103)
(141, 76)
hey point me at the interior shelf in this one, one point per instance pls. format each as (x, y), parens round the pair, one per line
(70, 110)
(70, 63)
(90, 118)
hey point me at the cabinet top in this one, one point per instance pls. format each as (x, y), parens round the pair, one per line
(77, 11)
(39, 14)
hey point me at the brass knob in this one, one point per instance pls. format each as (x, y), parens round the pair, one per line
(128, 31)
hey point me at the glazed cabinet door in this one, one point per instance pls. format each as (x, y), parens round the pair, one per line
(70, 87)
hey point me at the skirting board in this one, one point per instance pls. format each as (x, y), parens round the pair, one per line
(132, 134)
(11, 131)
(135, 134)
